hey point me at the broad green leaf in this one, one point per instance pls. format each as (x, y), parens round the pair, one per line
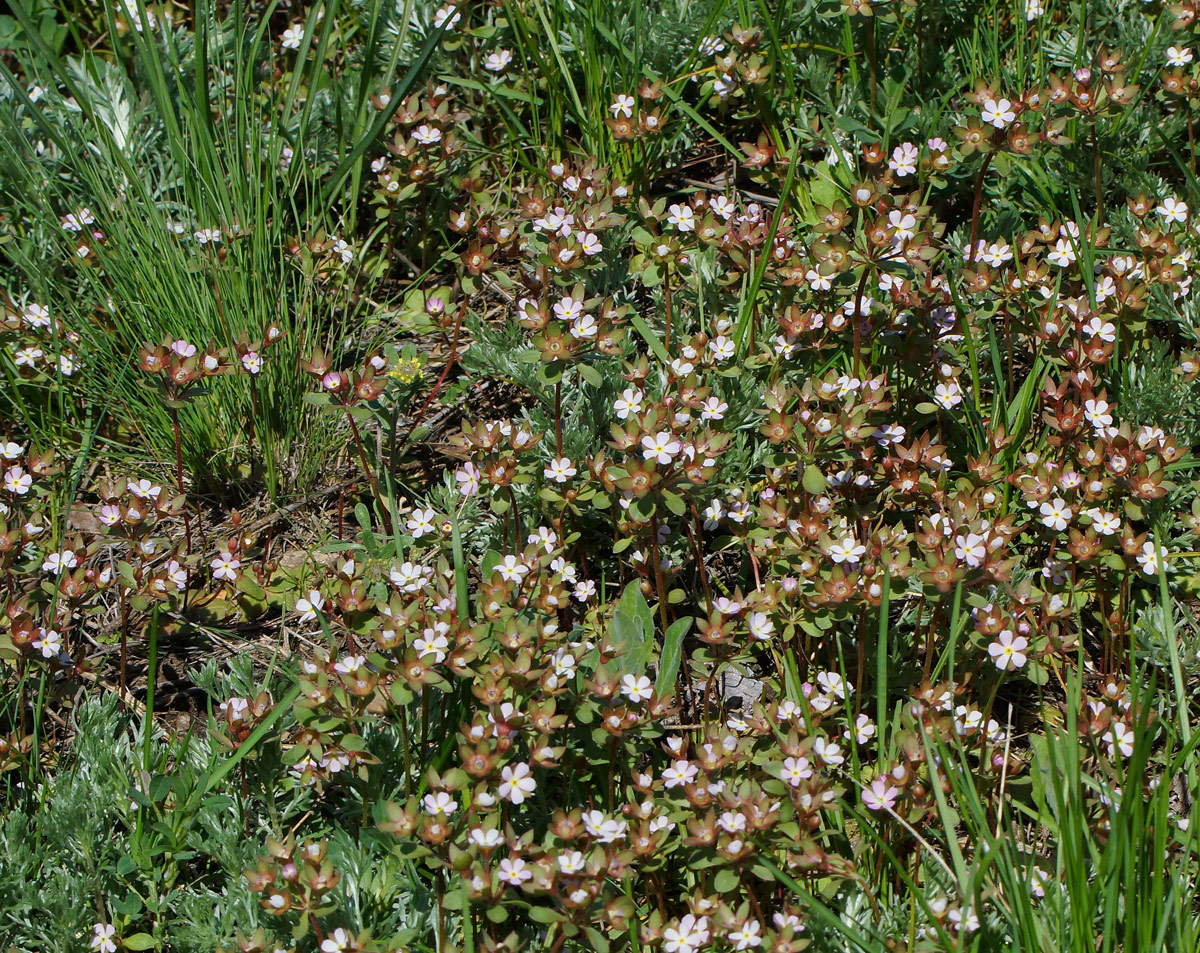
(672, 656)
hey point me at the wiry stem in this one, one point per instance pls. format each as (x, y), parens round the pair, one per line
(667, 308)
(187, 519)
(558, 415)
(987, 161)
(858, 296)
(384, 504)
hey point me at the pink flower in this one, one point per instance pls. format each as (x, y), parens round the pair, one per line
(881, 795)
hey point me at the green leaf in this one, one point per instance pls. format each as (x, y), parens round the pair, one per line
(651, 339)
(675, 503)
(642, 508)
(590, 374)
(632, 645)
(672, 656)
(139, 941)
(490, 559)
(634, 605)
(539, 914)
(129, 906)
(814, 480)
(598, 941)
(725, 881)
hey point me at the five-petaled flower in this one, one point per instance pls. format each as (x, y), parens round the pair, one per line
(998, 113)
(516, 783)
(225, 566)
(1008, 651)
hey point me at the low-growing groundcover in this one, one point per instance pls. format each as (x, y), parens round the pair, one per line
(589, 475)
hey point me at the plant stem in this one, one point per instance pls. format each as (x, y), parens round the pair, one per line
(987, 161)
(558, 414)
(187, 519)
(659, 579)
(667, 309)
(858, 296)
(441, 379)
(384, 505)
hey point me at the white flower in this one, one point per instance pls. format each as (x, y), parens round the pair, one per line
(1098, 327)
(795, 770)
(427, 135)
(48, 642)
(689, 936)
(102, 938)
(36, 315)
(1104, 522)
(622, 106)
(1063, 255)
(516, 783)
(513, 871)
(350, 664)
(1056, 514)
(290, 40)
(1119, 739)
(1148, 558)
(1008, 651)
(584, 590)
(904, 160)
(590, 243)
(864, 730)
(1177, 56)
(1096, 413)
(713, 409)
(584, 328)
(498, 61)
(662, 447)
(511, 569)
(746, 936)
(309, 606)
(1172, 210)
(432, 641)
(143, 489)
(571, 862)
(337, 942)
(28, 356)
(679, 773)
(448, 12)
(682, 217)
(225, 566)
(487, 838)
(829, 752)
(722, 348)
(998, 113)
(467, 478)
(17, 481)
(439, 804)
(848, 550)
(57, 562)
(948, 395)
(902, 224)
(881, 795)
(761, 626)
(252, 361)
(970, 549)
(636, 688)
(833, 684)
(420, 522)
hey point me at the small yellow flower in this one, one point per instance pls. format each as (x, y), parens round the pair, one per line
(407, 369)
